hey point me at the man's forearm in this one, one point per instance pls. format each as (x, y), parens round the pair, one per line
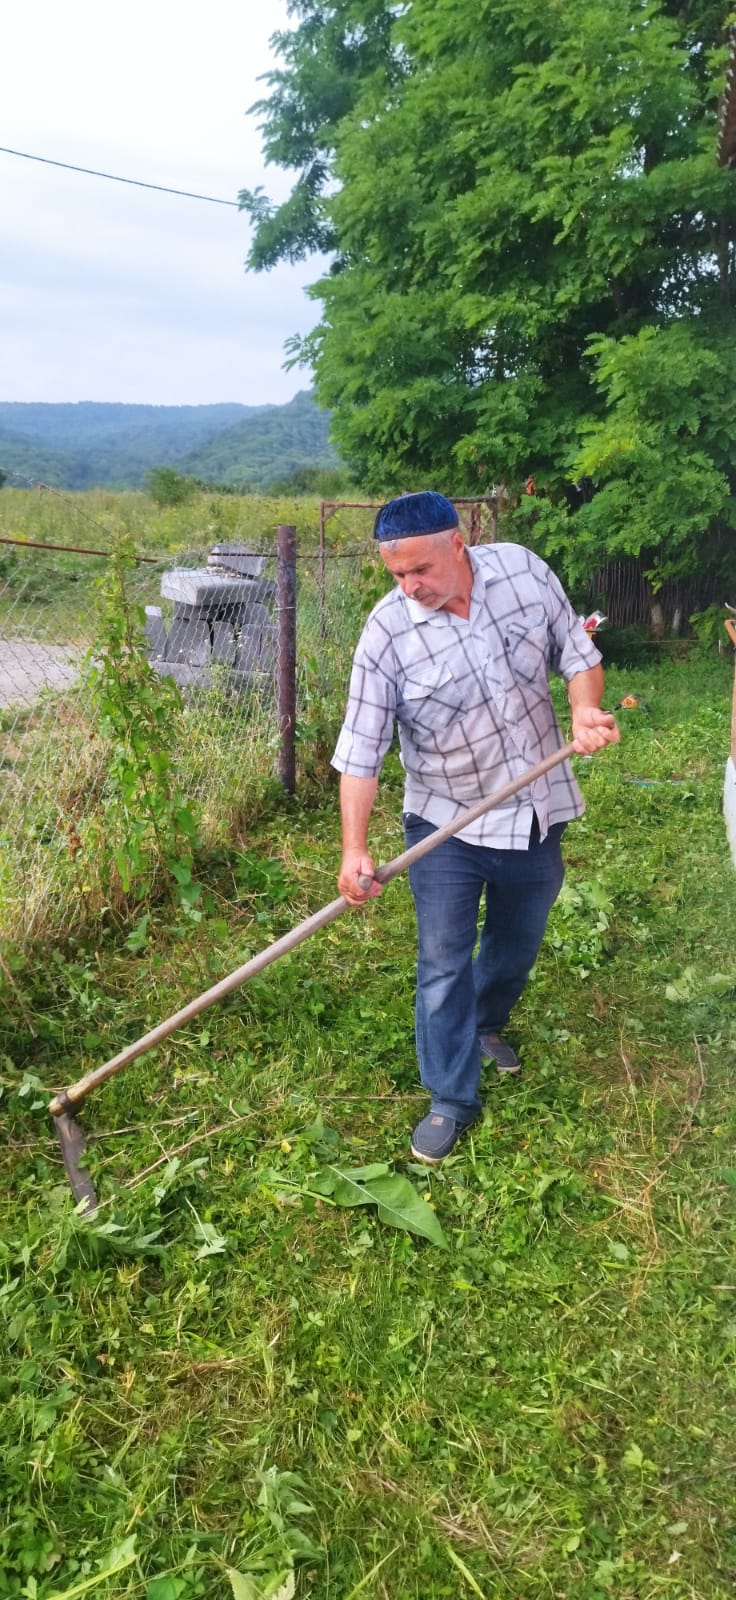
(592, 728)
(586, 688)
(356, 804)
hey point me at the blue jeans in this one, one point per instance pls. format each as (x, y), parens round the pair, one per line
(458, 996)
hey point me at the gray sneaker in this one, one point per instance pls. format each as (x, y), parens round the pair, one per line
(435, 1137)
(496, 1049)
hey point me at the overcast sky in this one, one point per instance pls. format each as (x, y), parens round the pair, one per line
(115, 293)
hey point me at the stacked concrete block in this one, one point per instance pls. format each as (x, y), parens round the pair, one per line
(155, 631)
(231, 558)
(204, 590)
(224, 643)
(221, 617)
(188, 640)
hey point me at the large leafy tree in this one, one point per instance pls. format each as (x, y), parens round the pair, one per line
(531, 251)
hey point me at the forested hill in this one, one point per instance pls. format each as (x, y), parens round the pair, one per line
(89, 444)
(79, 446)
(271, 444)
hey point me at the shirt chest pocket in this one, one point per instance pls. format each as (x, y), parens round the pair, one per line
(526, 645)
(430, 698)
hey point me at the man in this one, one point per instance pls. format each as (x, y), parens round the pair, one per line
(459, 654)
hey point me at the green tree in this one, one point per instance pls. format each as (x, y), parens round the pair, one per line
(170, 488)
(337, 47)
(517, 196)
(662, 453)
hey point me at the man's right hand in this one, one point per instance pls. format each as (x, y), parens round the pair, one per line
(357, 864)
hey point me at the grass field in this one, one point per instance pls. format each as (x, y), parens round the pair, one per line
(52, 593)
(228, 1384)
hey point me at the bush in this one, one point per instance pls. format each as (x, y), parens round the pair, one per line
(169, 488)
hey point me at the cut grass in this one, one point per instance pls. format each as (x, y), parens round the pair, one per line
(241, 1376)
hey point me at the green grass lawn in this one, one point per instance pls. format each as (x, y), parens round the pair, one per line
(227, 1381)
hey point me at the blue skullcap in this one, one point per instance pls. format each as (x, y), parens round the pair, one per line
(412, 515)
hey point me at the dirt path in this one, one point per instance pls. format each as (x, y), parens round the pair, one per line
(27, 666)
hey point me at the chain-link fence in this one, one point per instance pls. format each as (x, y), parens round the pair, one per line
(213, 623)
(55, 750)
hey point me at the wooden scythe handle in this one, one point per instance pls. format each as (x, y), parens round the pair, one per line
(70, 1100)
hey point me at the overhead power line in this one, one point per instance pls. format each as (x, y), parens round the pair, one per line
(113, 178)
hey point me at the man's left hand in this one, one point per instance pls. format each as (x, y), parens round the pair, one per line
(592, 728)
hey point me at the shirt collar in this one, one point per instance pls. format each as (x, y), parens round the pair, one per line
(482, 576)
(482, 572)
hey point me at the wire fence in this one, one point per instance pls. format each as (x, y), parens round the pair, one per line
(211, 622)
(54, 755)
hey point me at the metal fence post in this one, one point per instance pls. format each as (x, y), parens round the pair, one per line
(286, 621)
(322, 554)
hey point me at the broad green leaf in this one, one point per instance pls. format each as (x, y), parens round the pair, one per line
(243, 1588)
(181, 872)
(167, 1177)
(692, 985)
(214, 1244)
(322, 1183)
(297, 1508)
(138, 935)
(301, 1547)
(606, 1571)
(546, 1182)
(727, 1175)
(185, 821)
(397, 1200)
(348, 1191)
(190, 893)
(166, 1588)
(377, 1169)
(122, 862)
(159, 762)
(282, 1587)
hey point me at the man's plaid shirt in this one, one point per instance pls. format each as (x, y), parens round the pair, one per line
(471, 698)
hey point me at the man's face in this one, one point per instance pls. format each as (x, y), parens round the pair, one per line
(429, 568)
